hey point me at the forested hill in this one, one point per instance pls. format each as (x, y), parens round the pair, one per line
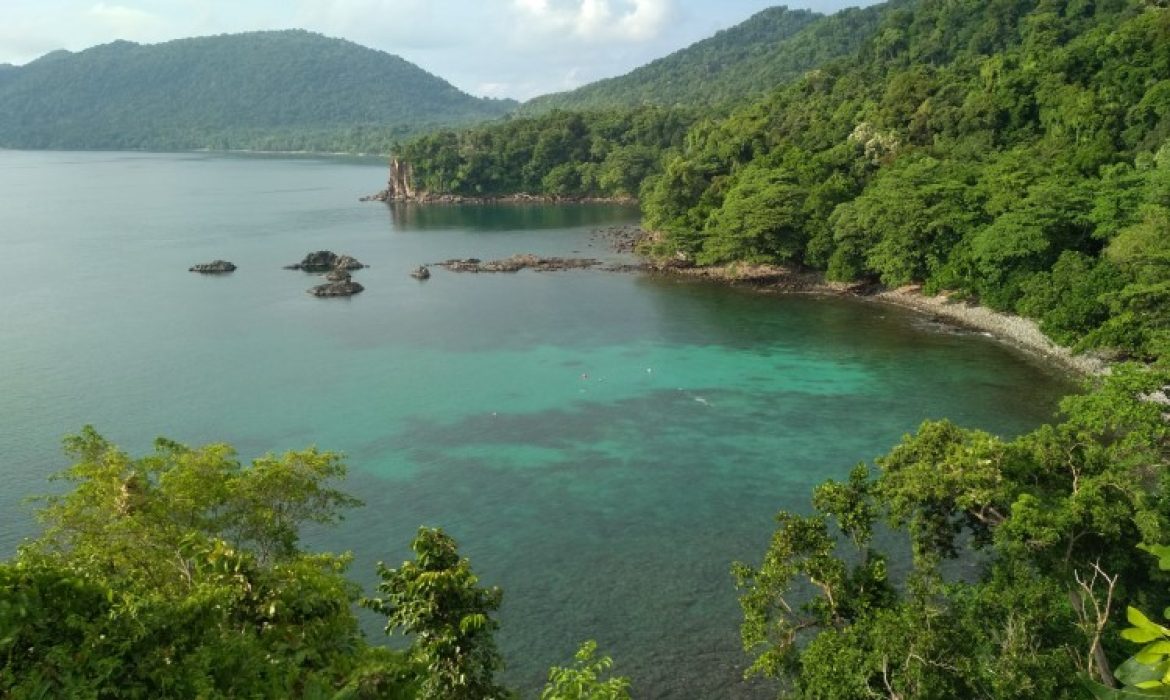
(281, 90)
(1013, 152)
(768, 49)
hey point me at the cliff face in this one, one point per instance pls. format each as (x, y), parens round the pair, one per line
(401, 184)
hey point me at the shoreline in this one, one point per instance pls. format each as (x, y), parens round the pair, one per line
(1017, 331)
(1021, 333)
(515, 198)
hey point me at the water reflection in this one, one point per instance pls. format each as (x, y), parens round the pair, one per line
(408, 216)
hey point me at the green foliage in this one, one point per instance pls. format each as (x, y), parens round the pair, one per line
(565, 154)
(761, 220)
(285, 90)
(583, 680)
(768, 49)
(1005, 151)
(1070, 300)
(437, 599)
(179, 574)
(1011, 152)
(1044, 519)
(1146, 673)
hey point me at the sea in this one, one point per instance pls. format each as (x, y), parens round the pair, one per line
(603, 445)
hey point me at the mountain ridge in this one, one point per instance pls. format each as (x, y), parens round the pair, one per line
(769, 48)
(280, 90)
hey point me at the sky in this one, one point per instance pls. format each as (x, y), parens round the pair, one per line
(490, 48)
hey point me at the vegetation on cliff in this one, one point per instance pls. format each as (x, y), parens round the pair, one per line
(281, 90)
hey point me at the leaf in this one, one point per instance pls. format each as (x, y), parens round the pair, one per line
(1161, 552)
(1153, 653)
(1103, 693)
(1138, 619)
(1134, 673)
(1139, 635)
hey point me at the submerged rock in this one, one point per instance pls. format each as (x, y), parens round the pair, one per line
(422, 272)
(517, 263)
(325, 260)
(214, 267)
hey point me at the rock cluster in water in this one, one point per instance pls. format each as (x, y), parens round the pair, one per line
(517, 263)
(214, 267)
(324, 261)
(340, 284)
(422, 272)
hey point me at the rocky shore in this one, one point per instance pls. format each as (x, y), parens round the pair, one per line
(515, 198)
(518, 262)
(1017, 331)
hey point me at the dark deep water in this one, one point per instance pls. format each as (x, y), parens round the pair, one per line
(602, 445)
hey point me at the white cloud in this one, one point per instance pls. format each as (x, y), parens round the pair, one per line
(126, 22)
(596, 21)
(392, 25)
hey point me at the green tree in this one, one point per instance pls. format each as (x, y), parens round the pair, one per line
(179, 574)
(1048, 513)
(583, 680)
(761, 220)
(437, 599)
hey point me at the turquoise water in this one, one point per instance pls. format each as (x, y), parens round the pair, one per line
(603, 445)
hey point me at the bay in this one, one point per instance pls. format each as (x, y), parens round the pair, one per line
(602, 445)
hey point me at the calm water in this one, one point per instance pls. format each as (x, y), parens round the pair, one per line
(602, 445)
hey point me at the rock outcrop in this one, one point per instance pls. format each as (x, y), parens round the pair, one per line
(215, 267)
(340, 285)
(517, 263)
(400, 186)
(422, 272)
(325, 260)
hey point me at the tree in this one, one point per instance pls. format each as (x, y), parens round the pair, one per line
(179, 574)
(583, 680)
(761, 220)
(437, 599)
(1049, 514)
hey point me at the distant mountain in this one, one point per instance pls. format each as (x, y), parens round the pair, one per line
(765, 51)
(282, 90)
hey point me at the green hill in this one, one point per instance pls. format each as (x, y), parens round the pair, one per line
(769, 49)
(284, 90)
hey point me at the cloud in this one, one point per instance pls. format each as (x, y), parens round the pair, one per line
(126, 22)
(596, 21)
(392, 25)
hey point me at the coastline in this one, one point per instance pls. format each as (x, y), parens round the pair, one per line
(514, 198)
(1020, 332)
(1017, 331)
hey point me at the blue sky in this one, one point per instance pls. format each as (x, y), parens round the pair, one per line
(496, 48)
